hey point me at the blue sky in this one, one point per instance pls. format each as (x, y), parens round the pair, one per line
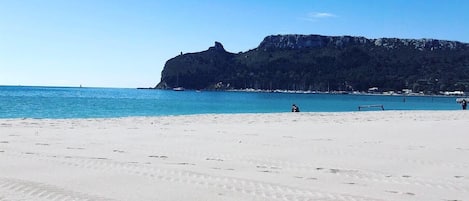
(125, 43)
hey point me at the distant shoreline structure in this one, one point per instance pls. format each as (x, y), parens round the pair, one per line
(459, 94)
(384, 93)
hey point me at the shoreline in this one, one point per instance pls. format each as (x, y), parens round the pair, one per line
(384, 93)
(373, 155)
(224, 114)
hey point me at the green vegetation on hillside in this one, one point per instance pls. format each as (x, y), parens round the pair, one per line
(321, 63)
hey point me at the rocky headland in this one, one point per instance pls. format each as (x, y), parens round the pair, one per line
(322, 63)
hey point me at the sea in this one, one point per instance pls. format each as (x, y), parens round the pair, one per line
(83, 102)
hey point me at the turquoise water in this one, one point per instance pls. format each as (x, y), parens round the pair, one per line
(65, 102)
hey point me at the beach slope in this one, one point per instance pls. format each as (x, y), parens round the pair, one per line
(382, 155)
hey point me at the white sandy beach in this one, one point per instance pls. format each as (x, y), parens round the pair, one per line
(390, 155)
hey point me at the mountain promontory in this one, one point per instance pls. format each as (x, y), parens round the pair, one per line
(321, 63)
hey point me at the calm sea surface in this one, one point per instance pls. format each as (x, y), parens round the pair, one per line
(65, 102)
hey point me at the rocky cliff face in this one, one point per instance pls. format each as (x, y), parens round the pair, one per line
(196, 70)
(308, 41)
(318, 41)
(315, 62)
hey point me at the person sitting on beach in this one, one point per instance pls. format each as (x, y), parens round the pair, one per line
(464, 104)
(295, 108)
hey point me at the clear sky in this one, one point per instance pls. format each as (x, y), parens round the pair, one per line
(125, 43)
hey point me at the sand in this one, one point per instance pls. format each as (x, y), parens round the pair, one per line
(382, 155)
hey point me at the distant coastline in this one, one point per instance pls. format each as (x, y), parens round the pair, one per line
(442, 94)
(387, 93)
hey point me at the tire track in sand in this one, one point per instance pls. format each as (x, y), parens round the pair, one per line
(16, 189)
(365, 175)
(257, 189)
(158, 173)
